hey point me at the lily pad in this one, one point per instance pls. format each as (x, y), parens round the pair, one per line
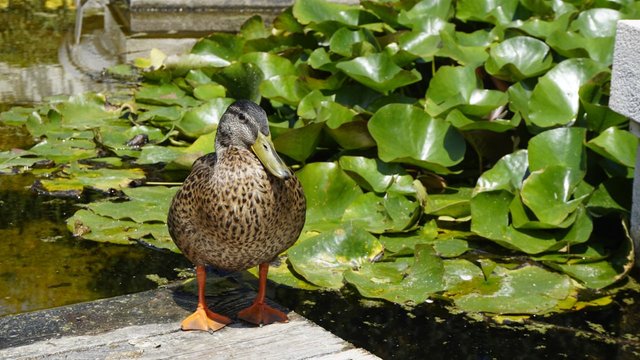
(619, 146)
(400, 281)
(379, 72)
(329, 191)
(323, 259)
(405, 133)
(555, 100)
(518, 58)
(378, 176)
(87, 225)
(528, 290)
(378, 214)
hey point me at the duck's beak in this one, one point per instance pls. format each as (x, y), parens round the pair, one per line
(266, 152)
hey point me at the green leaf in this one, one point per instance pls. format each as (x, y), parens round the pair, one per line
(619, 146)
(378, 176)
(450, 86)
(317, 11)
(379, 72)
(518, 58)
(204, 118)
(378, 214)
(329, 191)
(254, 28)
(225, 46)
(492, 11)
(87, 225)
(324, 258)
(242, 81)
(405, 133)
(270, 64)
(145, 205)
(164, 94)
(527, 290)
(600, 274)
(555, 100)
(299, 143)
(388, 281)
(548, 193)
(454, 203)
(562, 146)
(507, 174)
(287, 89)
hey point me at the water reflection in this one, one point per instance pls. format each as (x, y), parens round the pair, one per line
(42, 266)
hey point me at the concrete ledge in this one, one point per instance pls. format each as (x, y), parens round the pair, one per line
(625, 77)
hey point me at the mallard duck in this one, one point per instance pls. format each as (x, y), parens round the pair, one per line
(239, 207)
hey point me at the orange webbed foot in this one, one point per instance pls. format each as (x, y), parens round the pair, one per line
(261, 313)
(205, 320)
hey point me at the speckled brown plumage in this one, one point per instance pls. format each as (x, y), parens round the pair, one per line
(232, 213)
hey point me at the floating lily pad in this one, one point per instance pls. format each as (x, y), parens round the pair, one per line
(405, 133)
(386, 77)
(375, 175)
(400, 281)
(555, 100)
(519, 58)
(378, 214)
(616, 145)
(329, 191)
(323, 259)
(528, 290)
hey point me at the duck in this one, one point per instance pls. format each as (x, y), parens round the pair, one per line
(240, 207)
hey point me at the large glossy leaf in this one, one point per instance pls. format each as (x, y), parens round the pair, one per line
(323, 259)
(165, 94)
(507, 174)
(400, 281)
(242, 81)
(454, 203)
(317, 11)
(329, 191)
(379, 214)
(405, 133)
(562, 146)
(286, 89)
(378, 176)
(492, 11)
(270, 64)
(225, 46)
(616, 145)
(144, 205)
(379, 72)
(87, 225)
(519, 58)
(204, 118)
(299, 143)
(608, 270)
(555, 100)
(548, 193)
(528, 290)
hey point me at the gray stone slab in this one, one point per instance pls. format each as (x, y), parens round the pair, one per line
(625, 77)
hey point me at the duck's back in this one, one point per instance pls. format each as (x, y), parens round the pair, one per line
(232, 214)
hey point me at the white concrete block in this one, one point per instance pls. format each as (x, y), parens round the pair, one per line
(625, 78)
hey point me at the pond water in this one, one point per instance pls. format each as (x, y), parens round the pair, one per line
(43, 266)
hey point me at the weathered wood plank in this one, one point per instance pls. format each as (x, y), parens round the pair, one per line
(146, 325)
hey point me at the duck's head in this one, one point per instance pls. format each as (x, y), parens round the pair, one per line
(244, 124)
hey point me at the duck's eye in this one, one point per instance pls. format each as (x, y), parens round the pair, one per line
(242, 117)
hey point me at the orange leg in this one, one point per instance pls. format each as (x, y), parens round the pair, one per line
(259, 312)
(204, 319)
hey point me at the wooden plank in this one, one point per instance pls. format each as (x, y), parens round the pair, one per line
(146, 325)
